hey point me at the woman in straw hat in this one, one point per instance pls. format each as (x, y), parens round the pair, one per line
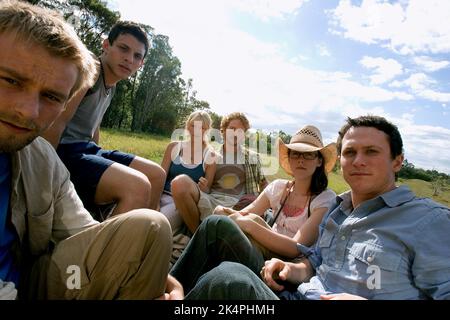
(298, 205)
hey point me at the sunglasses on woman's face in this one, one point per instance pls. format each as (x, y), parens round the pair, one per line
(305, 155)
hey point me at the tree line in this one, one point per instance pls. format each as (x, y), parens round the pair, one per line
(409, 171)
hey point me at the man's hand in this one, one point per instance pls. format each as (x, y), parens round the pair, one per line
(174, 289)
(341, 296)
(274, 272)
(8, 291)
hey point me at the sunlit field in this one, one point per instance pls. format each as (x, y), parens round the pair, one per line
(152, 147)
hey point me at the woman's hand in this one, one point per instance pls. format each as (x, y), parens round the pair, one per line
(203, 184)
(244, 222)
(225, 211)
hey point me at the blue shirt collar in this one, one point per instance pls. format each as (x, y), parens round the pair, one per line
(393, 198)
(398, 196)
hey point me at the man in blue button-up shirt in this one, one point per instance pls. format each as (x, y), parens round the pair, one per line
(378, 241)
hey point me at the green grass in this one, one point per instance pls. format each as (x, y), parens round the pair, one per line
(144, 145)
(152, 147)
(425, 189)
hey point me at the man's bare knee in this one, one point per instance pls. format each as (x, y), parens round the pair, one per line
(138, 190)
(159, 175)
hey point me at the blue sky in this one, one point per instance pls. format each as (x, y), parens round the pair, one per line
(287, 63)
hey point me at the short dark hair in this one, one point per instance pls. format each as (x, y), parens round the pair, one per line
(129, 27)
(380, 123)
(319, 179)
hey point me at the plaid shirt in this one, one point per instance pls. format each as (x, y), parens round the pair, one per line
(253, 172)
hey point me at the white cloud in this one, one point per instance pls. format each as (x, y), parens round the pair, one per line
(384, 69)
(407, 27)
(430, 65)
(368, 23)
(234, 71)
(267, 9)
(322, 50)
(417, 82)
(435, 95)
(420, 84)
(299, 59)
(425, 146)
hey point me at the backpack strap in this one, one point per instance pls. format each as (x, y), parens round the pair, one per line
(287, 192)
(309, 204)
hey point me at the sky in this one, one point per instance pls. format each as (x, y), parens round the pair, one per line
(289, 63)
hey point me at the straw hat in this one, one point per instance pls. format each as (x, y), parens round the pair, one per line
(307, 139)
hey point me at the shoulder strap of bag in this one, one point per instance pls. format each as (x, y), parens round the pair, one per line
(288, 191)
(309, 204)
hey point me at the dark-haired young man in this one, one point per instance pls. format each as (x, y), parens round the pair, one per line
(103, 176)
(378, 241)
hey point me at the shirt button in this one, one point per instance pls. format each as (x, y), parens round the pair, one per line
(343, 238)
(369, 259)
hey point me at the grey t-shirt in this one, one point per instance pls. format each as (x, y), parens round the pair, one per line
(89, 115)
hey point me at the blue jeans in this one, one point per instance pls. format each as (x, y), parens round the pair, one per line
(217, 239)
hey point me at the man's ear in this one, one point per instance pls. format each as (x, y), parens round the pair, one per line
(397, 163)
(142, 63)
(105, 45)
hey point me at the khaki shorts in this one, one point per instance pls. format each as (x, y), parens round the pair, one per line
(209, 201)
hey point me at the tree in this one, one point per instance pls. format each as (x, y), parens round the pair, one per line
(216, 120)
(159, 89)
(284, 136)
(91, 19)
(437, 185)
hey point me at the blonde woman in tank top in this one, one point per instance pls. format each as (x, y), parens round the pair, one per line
(193, 157)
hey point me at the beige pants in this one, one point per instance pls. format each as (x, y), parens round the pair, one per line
(125, 257)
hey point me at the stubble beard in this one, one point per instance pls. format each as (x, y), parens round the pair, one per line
(12, 144)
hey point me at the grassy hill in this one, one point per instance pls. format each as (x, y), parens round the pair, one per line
(152, 147)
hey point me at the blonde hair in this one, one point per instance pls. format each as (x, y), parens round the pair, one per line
(204, 117)
(47, 28)
(234, 116)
